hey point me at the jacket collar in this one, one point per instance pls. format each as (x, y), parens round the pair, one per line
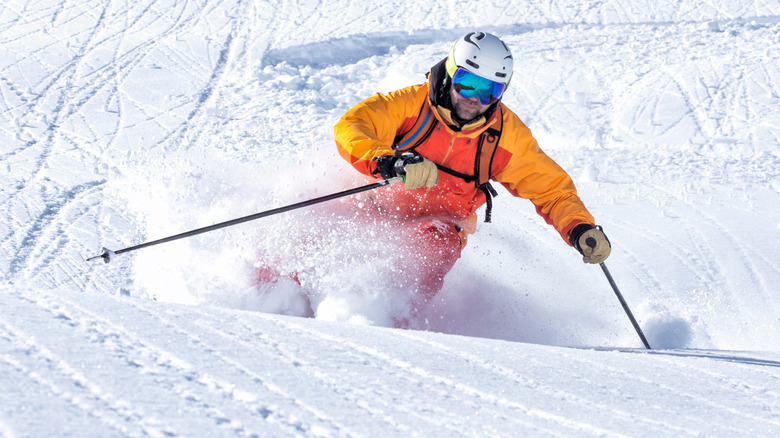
(447, 116)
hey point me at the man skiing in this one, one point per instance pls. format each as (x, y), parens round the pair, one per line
(449, 137)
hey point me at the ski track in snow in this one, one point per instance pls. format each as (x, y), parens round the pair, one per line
(197, 389)
(124, 122)
(222, 372)
(633, 422)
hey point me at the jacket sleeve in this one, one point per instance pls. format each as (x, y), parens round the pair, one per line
(369, 128)
(533, 175)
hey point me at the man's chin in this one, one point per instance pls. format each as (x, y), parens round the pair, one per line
(468, 112)
(468, 115)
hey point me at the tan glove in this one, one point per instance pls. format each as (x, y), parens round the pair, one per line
(594, 252)
(421, 174)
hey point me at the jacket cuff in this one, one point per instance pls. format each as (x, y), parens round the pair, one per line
(576, 232)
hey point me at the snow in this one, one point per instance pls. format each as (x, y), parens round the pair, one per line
(125, 122)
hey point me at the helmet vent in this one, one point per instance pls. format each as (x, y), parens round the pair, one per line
(481, 52)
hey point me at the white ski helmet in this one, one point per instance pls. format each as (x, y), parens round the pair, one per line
(483, 54)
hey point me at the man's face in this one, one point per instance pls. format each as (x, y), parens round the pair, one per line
(466, 108)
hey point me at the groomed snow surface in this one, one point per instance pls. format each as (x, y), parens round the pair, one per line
(126, 122)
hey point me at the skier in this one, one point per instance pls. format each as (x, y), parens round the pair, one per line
(449, 137)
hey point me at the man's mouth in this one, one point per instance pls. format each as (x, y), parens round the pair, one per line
(470, 104)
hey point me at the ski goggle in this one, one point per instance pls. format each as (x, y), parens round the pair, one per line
(470, 85)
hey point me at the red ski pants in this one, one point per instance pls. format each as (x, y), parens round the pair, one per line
(432, 248)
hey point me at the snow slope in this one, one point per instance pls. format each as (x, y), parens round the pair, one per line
(127, 122)
(110, 366)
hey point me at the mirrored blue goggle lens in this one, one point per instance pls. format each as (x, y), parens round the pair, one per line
(469, 85)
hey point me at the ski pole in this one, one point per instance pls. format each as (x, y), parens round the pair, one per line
(107, 254)
(591, 242)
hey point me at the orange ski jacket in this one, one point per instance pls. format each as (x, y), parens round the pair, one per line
(370, 129)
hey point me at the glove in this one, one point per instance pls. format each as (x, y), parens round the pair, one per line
(592, 243)
(420, 174)
(418, 171)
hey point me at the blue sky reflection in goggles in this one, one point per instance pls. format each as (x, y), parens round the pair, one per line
(469, 85)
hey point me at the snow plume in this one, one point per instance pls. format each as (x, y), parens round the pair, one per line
(343, 260)
(328, 259)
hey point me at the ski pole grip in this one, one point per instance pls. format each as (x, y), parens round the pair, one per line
(591, 242)
(405, 158)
